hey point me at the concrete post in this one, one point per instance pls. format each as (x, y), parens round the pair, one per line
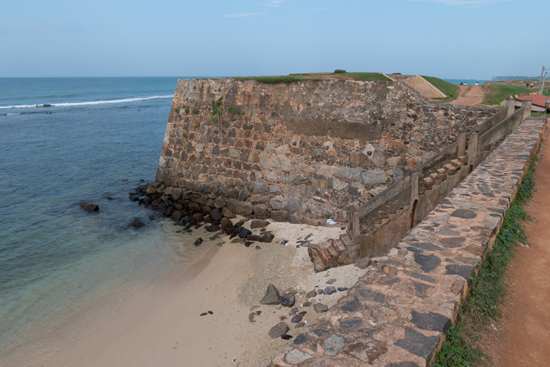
(510, 105)
(356, 225)
(472, 150)
(461, 144)
(414, 187)
(526, 105)
(406, 181)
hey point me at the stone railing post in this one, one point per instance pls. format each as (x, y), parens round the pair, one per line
(510, 105)
(461, 144)
(526, 105)
(472, 150)
(414, 187)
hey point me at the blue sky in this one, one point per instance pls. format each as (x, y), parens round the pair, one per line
(470, 39)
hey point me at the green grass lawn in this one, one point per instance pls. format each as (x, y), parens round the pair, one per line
(498, 93)
(368, 77)
(273, 79)
(449, 89)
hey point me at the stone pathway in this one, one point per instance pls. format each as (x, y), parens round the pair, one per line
(471, 95)
(399, 311)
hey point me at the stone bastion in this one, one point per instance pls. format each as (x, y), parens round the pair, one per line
(300, 152)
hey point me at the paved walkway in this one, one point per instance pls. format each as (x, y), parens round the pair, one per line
(471, 95)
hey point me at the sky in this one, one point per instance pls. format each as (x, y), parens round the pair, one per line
(469, 39)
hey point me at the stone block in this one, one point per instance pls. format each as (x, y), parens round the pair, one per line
(240, 207)
(277, 202)
(261, 209)
(374, 177)
(280, 215)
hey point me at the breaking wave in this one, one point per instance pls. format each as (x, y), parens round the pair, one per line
(123, 100)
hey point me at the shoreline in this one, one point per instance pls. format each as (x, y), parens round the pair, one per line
(165, 326)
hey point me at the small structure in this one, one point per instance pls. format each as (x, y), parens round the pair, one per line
(538, 102)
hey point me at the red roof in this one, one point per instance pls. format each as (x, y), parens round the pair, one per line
(538, 99)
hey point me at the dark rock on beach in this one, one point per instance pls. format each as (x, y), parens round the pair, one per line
(271, 297)
(288, 300)
(198, 242)
(278, 330)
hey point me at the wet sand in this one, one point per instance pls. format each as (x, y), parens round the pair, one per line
(164, 327)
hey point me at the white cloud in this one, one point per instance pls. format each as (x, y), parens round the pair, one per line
(275, 3)
(463, 2)
(242, 15)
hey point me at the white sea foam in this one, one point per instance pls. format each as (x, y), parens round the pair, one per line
(123, 100)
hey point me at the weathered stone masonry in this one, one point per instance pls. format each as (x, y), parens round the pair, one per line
(399, 311)
(303, 151)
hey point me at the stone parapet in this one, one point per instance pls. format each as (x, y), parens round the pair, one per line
(399, 311)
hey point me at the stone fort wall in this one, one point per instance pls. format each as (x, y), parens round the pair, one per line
(302, 151)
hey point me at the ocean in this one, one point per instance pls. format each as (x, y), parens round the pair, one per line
(64, 141)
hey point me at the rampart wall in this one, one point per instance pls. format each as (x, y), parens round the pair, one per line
(398, 313)
(302, 151)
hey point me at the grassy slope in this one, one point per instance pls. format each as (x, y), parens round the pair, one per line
(449, 89)
(300, 77)
(498, 93)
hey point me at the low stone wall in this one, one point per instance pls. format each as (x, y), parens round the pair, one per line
(302, 151)
(399, 311)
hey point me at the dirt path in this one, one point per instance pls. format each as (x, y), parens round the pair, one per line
(523, 336)
(469, 95)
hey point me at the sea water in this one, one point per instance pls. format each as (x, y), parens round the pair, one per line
(96, 140)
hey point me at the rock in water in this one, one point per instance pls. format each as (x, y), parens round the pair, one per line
(137, 223)
(287, 300)
(198, 242)
(278, 330)
(271, 297)
(89, 207)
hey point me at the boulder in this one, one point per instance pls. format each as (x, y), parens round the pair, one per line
(212, 228)
(152, 187)
(320, 308)
(240, 207)
(137, 223)
(363, 263)
(243, 233)
(89, 207)
(219, 202)
(261, 209)
(272, 296)
(259, 224)
(280, 215)
(288, 300)
(228, 213)
(278, 330)
(295, 219)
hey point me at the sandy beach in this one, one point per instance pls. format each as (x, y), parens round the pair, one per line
(164, 326)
